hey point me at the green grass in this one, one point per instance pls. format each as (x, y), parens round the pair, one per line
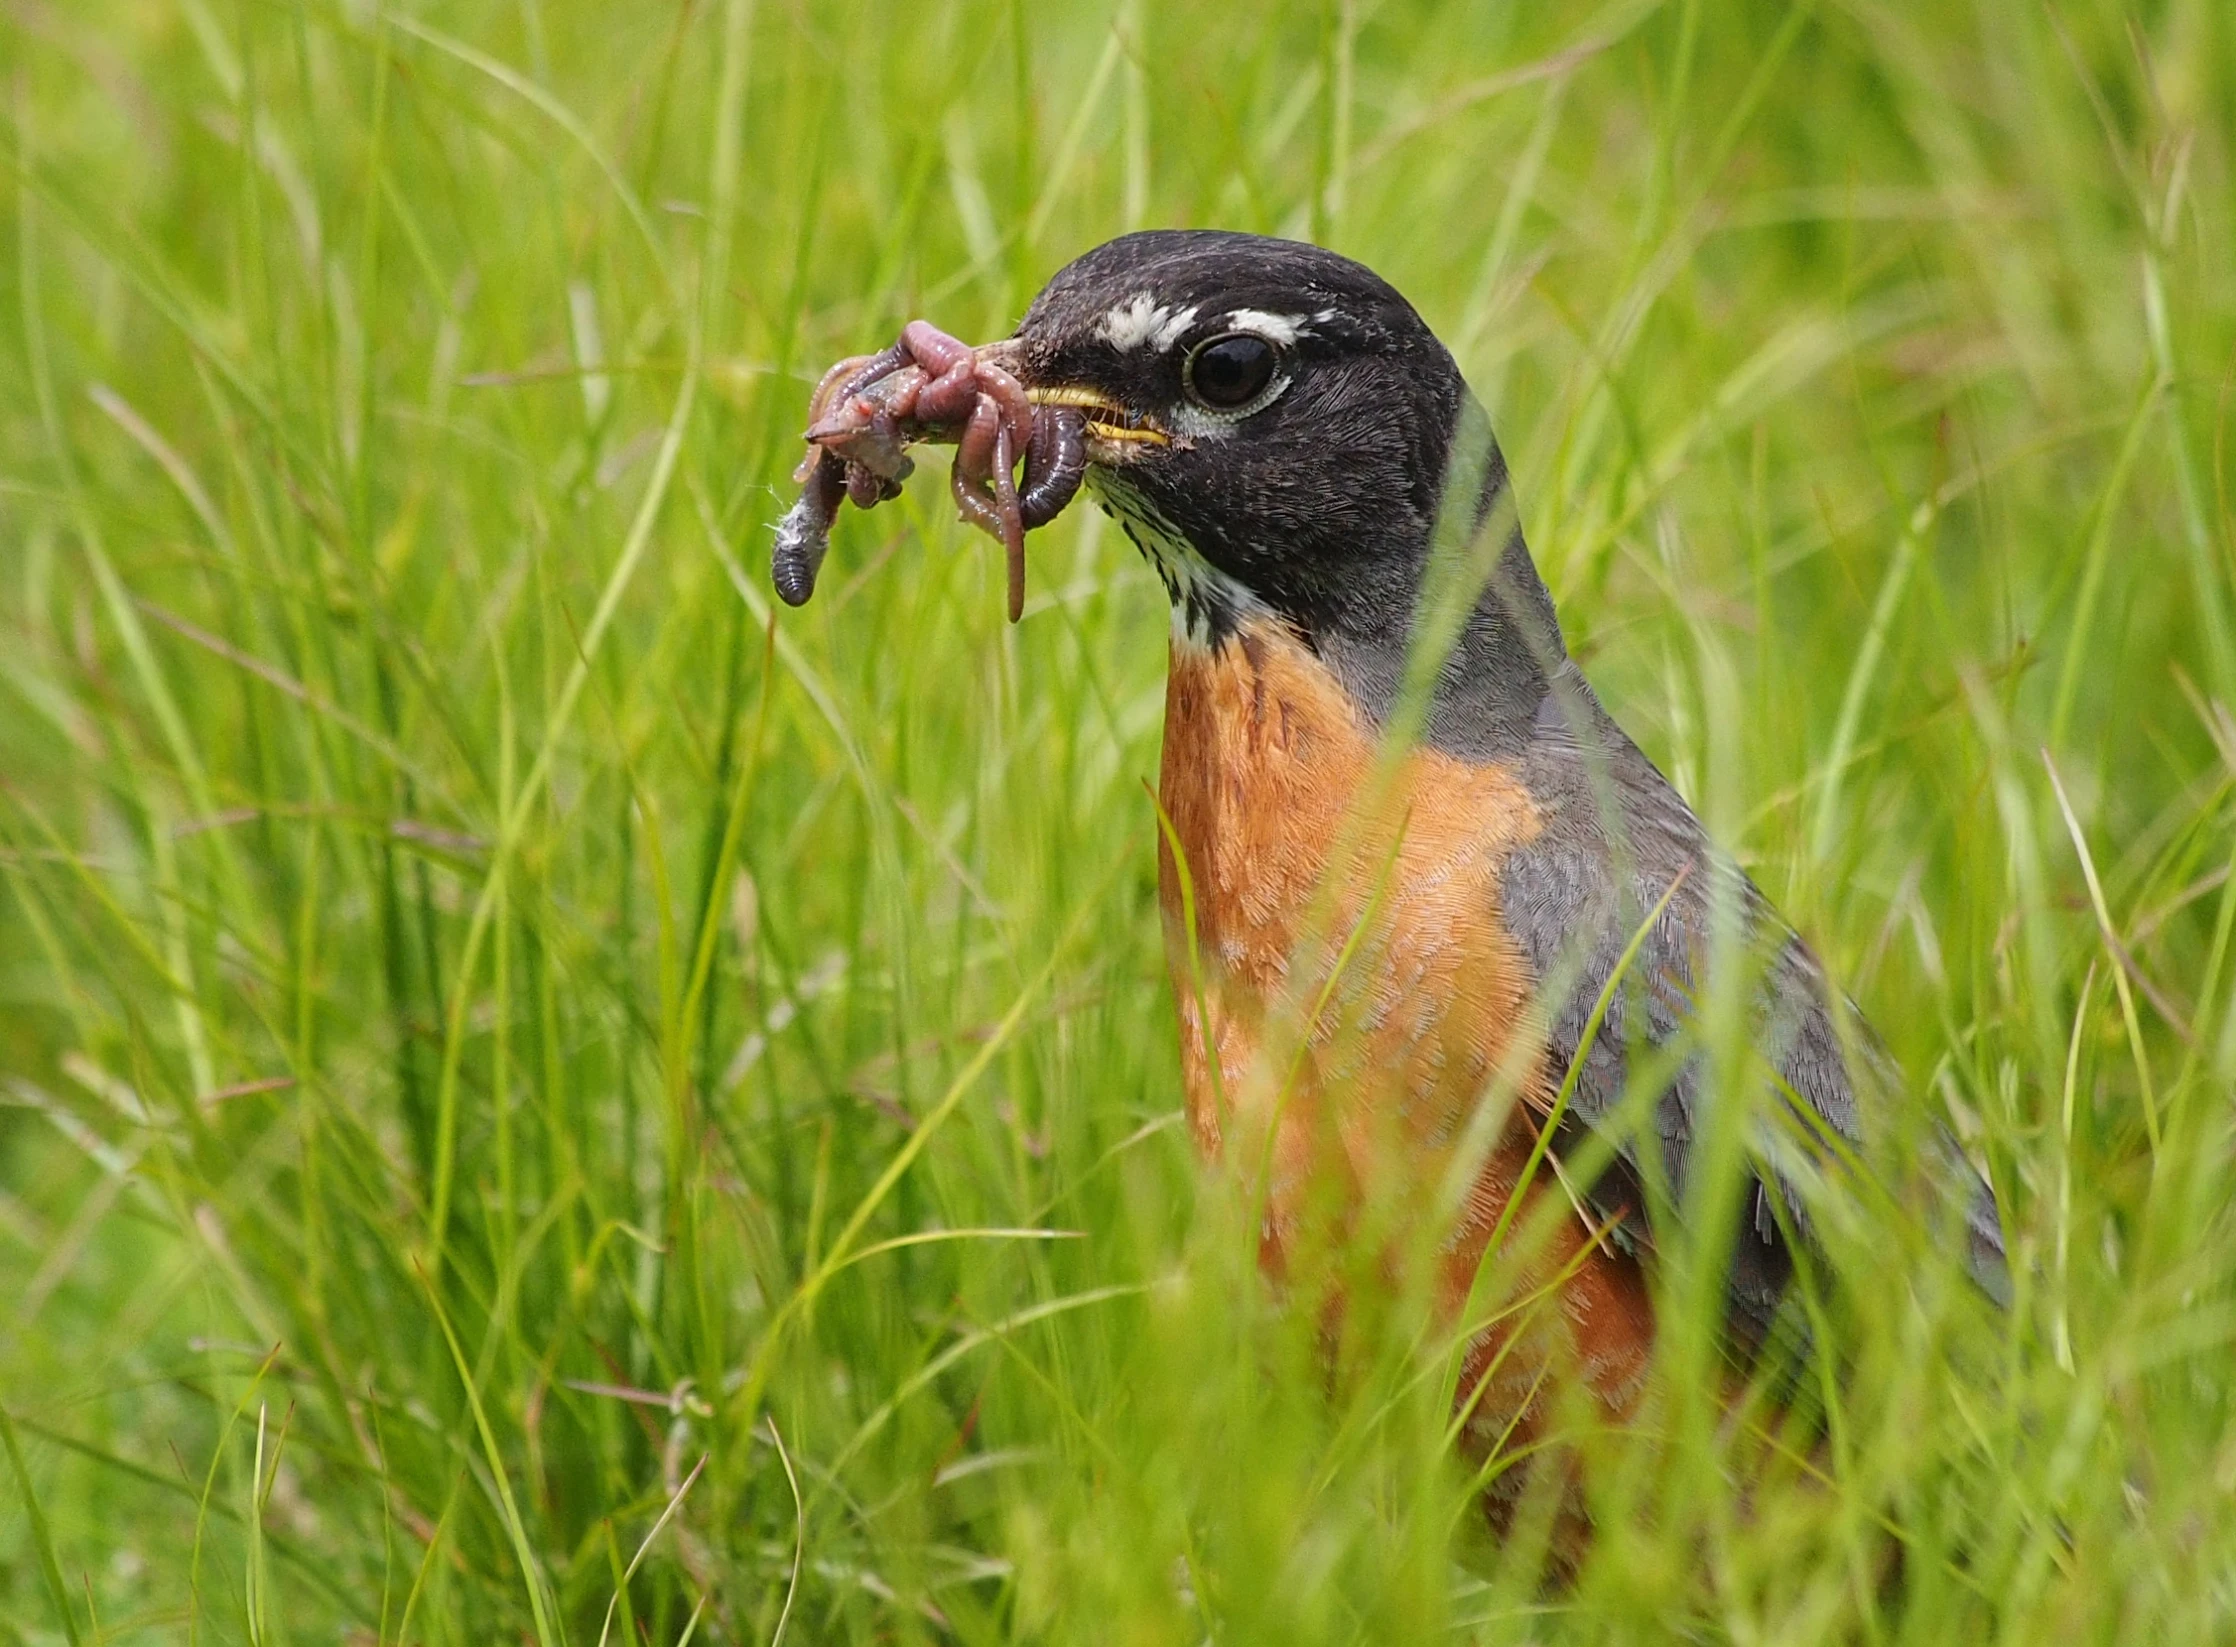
(461, 959)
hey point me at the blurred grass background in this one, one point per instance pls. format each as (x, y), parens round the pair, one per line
(537, 1104)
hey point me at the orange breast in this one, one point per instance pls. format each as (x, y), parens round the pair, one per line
(1350, 999)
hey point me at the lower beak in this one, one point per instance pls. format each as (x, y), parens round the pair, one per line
(1107, 420)
(1116, 427)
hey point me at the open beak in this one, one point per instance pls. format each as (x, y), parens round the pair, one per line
(1115, 432)
(1115, 425)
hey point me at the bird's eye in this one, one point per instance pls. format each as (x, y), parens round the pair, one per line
(1228, 373)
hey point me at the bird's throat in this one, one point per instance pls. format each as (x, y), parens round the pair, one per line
(1209, 607)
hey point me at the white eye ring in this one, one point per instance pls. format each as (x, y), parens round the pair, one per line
(1276, 379)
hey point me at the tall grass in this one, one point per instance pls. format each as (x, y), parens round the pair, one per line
(544, 1101)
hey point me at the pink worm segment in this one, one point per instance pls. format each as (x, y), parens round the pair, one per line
(868, 409)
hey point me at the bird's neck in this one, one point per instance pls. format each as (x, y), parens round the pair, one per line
(1495, 668)
(1501, 664)
(1489, 640)
(1475, 599)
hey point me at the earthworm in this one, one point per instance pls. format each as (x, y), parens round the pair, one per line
(803, 536)
(975, 453)
(868, 409)
(1011, 519)
(1055, 463)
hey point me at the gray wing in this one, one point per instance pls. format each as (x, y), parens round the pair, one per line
(1615, 837)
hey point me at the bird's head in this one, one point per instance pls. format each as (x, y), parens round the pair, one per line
(1273, 424)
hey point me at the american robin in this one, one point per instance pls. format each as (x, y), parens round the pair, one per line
(1506, 917)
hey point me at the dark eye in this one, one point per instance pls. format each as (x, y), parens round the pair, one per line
(1229, 372)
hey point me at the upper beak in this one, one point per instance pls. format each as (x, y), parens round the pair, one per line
(1116, 428)
(1107, 420)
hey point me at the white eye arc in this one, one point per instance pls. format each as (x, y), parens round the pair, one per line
(1281, 329)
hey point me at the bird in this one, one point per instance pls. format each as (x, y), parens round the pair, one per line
(1427, 908)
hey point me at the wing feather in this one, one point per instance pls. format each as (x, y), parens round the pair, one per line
(1616, 838)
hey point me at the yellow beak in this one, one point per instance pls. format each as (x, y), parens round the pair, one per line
(1121, 425)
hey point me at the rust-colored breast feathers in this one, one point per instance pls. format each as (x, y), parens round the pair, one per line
(1350, 997)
